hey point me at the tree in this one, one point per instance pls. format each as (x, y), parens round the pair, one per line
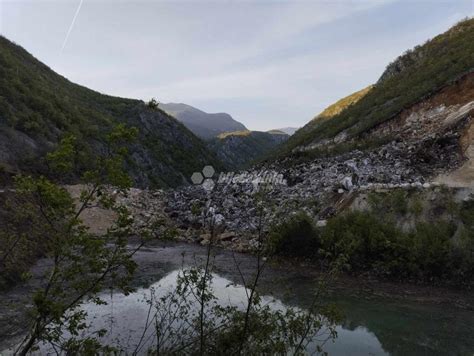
(190, 320)
(153, 104)
(80, 263)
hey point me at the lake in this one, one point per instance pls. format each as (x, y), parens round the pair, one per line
(372, 325)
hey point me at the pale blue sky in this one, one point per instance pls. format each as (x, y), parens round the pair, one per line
(267, 63)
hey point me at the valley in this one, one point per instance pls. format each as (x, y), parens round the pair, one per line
(141, 227)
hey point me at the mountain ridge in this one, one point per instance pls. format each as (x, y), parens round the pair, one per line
(411, 78)
(203, 124)
(38, 107)
(289, 130)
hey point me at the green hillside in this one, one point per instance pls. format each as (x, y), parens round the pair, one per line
(239, 149)
(331, 111)
(413, 76)
(38, 107)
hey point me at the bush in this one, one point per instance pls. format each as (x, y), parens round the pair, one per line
(467, 213)
(463, 254)
(295, 237)
(430, 247)
(365, 241)
(400, 237)
(373, 244)
(153, 104)
(395, 201)
(429, 250)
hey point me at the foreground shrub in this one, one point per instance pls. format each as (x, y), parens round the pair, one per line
(430, 248)
(364, 240)
(297, 237)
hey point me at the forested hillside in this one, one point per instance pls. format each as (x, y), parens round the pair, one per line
(238, 150)
(38, 107)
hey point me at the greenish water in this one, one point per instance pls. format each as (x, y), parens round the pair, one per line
(372, 326)
(401, 328)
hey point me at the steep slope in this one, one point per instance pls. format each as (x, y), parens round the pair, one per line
(327, 114)
(431, 143)
(239, 149)
(413, 77)
(38, 107)
(203, 124)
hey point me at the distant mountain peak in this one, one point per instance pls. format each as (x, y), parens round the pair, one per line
(203, 124)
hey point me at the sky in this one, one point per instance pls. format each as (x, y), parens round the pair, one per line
(269, 64)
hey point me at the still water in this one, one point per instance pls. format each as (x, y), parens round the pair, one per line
(125, 316)
(372, 326)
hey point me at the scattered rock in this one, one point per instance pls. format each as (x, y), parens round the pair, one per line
(319, 187)
(347, 183)
(226, 236)
(321, 223)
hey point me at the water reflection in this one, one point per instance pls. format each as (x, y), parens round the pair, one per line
(373, 326)
(125, 317)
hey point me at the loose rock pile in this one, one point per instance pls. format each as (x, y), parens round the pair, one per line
(319, 187)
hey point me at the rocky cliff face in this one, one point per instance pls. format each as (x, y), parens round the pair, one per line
(165, 153)
(402, 63)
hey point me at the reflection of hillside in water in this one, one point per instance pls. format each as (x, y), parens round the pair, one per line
(372, 325)
(402, 328)
(129, 312)
(409, 329)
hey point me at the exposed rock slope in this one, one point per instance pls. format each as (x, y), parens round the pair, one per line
(412, 78)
